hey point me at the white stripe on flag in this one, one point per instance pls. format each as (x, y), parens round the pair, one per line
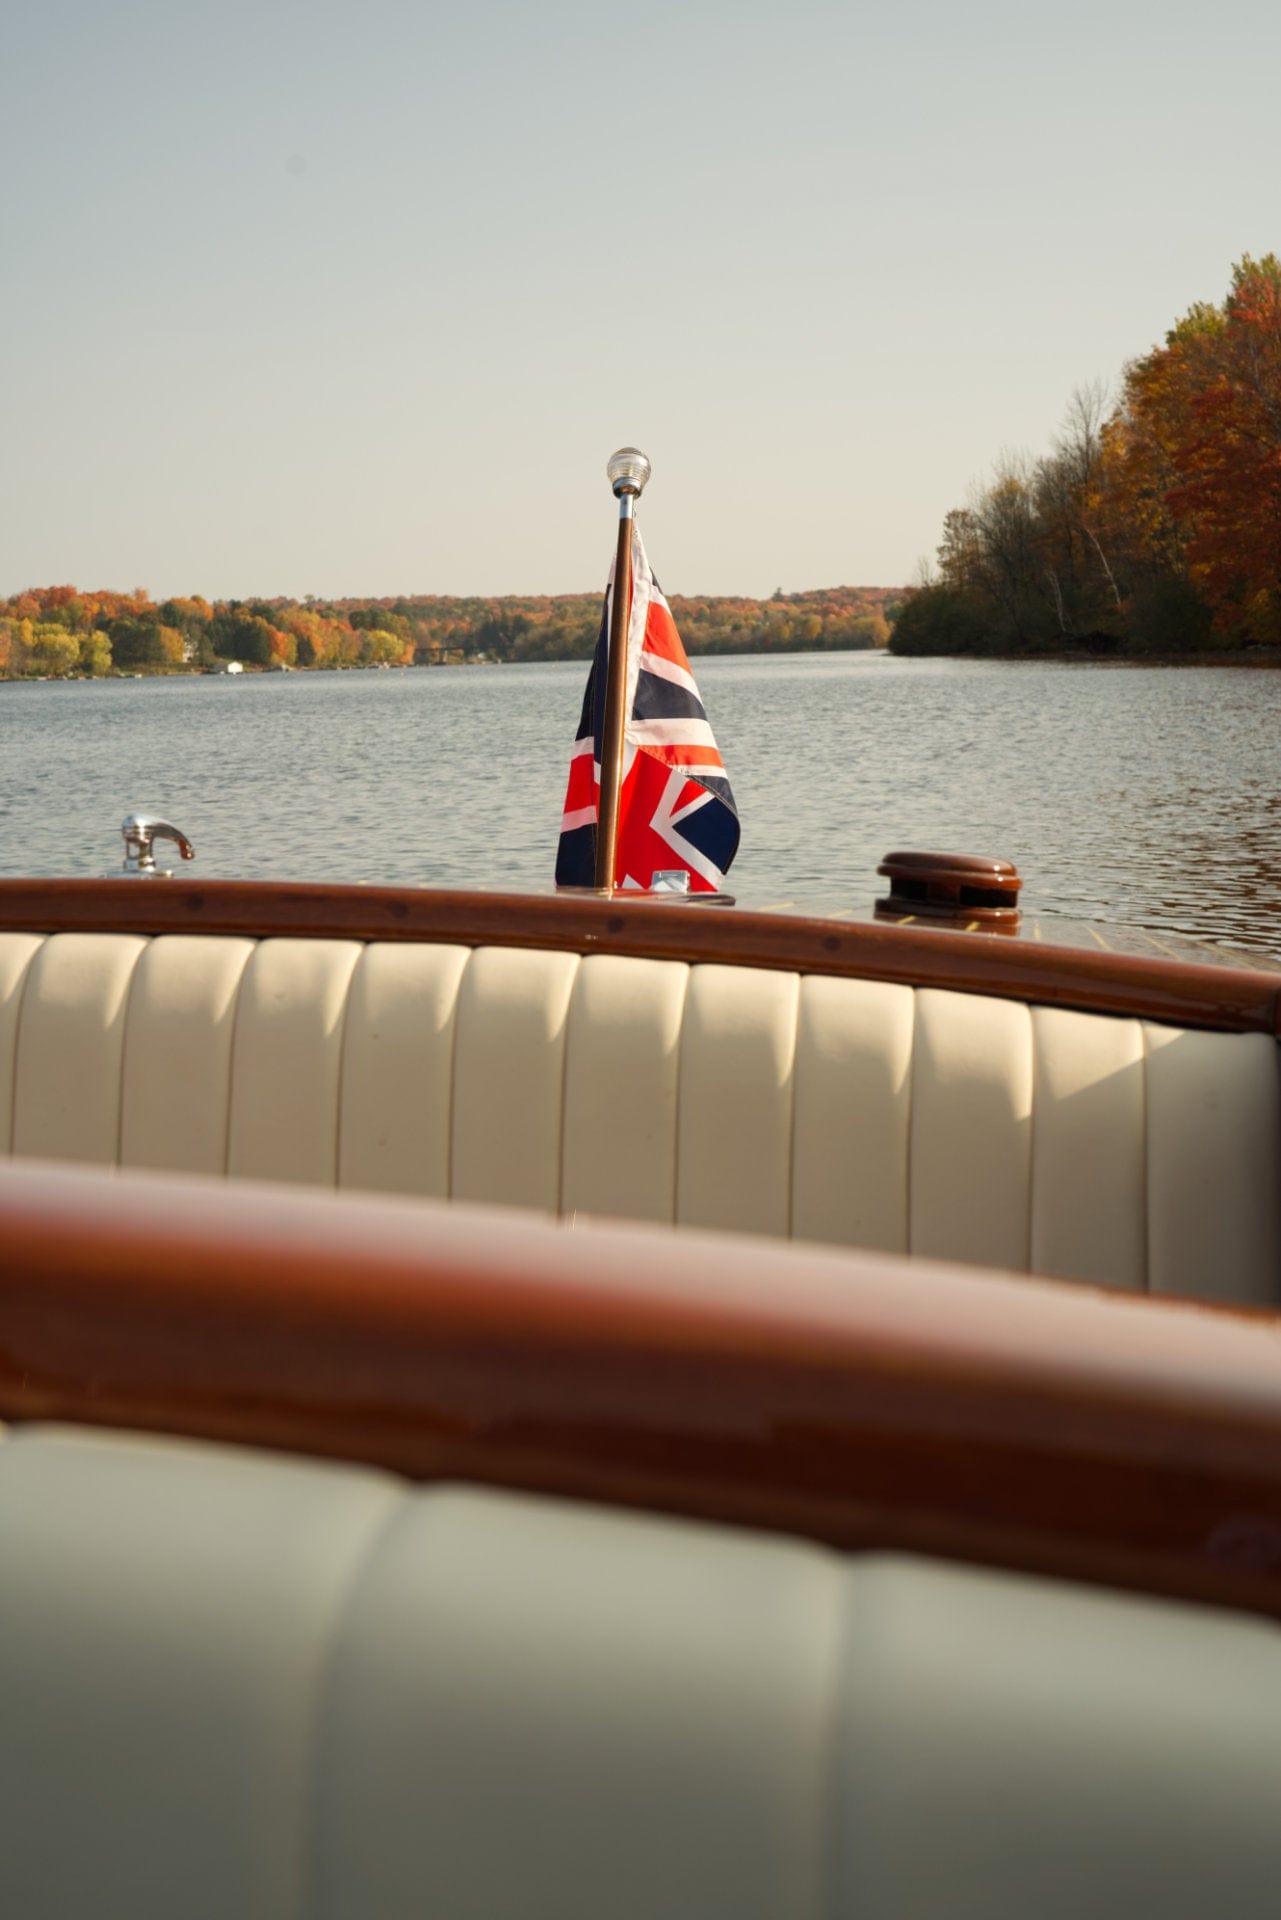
(642, 588)
(701, 799)
(672, 733)
(668, 670)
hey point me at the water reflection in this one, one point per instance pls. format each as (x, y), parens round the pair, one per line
(1131, 796)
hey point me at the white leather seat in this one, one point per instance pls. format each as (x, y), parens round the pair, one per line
(906, 1120)
(242, 1687)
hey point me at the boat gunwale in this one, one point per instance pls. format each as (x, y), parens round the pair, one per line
(1178, 992)
(860, 1400)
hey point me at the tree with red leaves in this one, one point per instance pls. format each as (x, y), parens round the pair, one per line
(1211, 400)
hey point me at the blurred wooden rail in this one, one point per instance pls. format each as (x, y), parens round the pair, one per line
(859, 1400)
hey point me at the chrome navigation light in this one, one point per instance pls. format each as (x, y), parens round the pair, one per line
(628, 470)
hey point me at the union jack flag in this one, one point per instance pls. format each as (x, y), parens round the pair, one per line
(676, 811)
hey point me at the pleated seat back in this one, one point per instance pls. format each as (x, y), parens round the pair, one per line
(847, 1111)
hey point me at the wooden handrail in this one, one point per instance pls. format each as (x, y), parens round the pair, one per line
(859, 1400)
(1230, 999)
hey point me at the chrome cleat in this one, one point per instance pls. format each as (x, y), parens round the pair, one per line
(140, 830)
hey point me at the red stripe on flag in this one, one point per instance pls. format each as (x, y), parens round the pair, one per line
(705, 759)
(582, 789)
(661, 636)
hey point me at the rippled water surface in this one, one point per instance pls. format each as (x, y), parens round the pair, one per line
(1133, 796)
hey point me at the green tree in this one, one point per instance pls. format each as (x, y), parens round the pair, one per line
(190, 618)
(380, 648)
(942, 619)
(501, 633)
(135, 639)
(95, 653)
(237, 634)
(54, 649)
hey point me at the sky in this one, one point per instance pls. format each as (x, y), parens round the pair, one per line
(356, 299)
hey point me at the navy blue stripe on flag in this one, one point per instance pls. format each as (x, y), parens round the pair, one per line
(576, 849)
(591, 722)
(576, 858)
(715, 783)
(713, 829)
(660, 699)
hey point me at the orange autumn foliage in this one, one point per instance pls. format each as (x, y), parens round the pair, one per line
(1154, 529)
(1196, 451)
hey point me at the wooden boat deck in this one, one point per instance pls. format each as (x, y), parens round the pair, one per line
(1051, 929)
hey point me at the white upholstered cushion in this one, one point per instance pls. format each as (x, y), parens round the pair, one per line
(398, 1069)
(852, 1133)
(1214, 1165)
(1089, 1204)
(286, 1058)
(1015, 1748)
(240, 1687)
(509, 1076)
(176, 1094)
(954, 1125)
(738, 1050)
(70, 1048)
(167, 1616)
(558, 1711)
(17, 951)
(622, 1080)
(971, 1129)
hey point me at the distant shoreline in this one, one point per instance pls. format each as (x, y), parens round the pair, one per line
(1238, 657)
(59, 631)
(1079, 657)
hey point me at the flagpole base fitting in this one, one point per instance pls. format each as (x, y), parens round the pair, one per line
(655, 896)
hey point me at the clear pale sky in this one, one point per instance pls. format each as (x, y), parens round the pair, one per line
(299, 297)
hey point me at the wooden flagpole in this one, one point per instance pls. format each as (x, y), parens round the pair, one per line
(628, 470)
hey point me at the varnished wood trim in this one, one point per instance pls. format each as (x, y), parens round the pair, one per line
(1229, 998)
(861, 1401)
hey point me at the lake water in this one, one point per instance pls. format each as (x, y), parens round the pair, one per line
(1133, 796)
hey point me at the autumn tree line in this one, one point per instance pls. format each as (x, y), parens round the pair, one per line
(59, 632)
(1151, 527)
